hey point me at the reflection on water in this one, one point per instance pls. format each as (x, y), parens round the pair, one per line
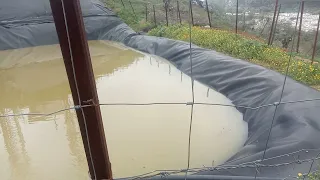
(140, 138)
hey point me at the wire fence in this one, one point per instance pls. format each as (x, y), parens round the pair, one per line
(291, 158)
(237, 16)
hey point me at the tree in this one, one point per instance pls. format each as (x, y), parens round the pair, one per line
(166, 3)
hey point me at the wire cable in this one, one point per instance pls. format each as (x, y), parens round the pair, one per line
(311, 165)
(192, 89)
(77, 89)
(162, 103)
(165, 173)
(281, 95)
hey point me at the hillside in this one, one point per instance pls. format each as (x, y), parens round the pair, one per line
(135, 16)
(247, 44)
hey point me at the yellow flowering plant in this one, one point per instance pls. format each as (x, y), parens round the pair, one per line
(244, 47)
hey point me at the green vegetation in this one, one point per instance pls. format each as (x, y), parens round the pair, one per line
(311, 176)
(257, 21)
(305, 57)
(244, 47)
(249, 47)
(134, 18)
(134, 13)
(129, 18)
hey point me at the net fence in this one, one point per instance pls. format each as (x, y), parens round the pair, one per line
(251, 18)
(293, 159)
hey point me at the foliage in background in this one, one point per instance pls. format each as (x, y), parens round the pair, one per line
(250, 45)
(244, 47)
(257, 20)
(310, 176)
(217, 13)
(128, 17)
(134, 19)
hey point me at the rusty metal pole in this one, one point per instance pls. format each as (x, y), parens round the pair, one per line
(191, 11)
(146, 12)
(273, 21)
(154, 16)
(166, 5)
(244, 21)
(315, 42)
(208, 13)
(177, 11)
(276, 24)
(73, 43)
(300, 26)
(237, 12)
(179, 15)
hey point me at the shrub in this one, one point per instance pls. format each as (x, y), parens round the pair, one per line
(310, 176)
(127, 16)
(132, 20)
(244, 47)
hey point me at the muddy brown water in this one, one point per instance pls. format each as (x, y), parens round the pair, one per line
(140, 138)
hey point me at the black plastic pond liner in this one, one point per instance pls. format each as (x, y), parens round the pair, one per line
(295, 135)
(213, 177)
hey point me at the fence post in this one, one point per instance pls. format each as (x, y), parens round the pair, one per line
(146, 12)
(132, 9)
(275, 26)
(264, 26)
(74, 47)
(237, 12)
(300, 26)
(123, 4)
(192, 22)
(154, 16)
(315, 42)
(273, 20)
(166, 9)
(178, 11)
(208, 14)
(244, 21)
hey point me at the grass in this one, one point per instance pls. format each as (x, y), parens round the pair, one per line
(244, 47)
(129, 18)
(310, 176)
(307, 57)
(134, 18)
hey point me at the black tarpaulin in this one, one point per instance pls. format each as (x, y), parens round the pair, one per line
(294, 137)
